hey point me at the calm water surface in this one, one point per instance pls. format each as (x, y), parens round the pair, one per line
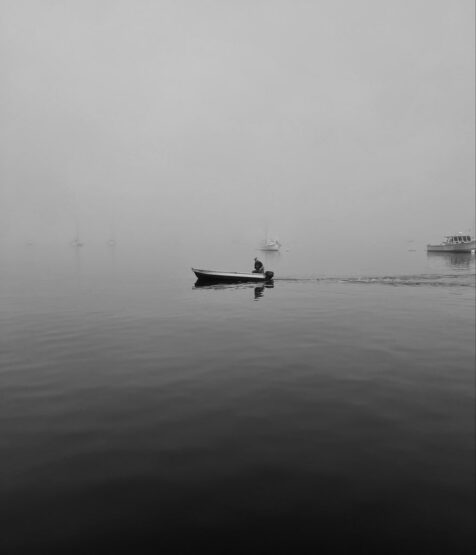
(332, 412)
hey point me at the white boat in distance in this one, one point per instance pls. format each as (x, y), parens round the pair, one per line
(212, 276)
(454, 243)
(270, 245)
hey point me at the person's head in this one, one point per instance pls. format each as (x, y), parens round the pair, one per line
(256, 258)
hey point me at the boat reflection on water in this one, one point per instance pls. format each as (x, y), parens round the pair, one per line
(461, 260)
(258, 291)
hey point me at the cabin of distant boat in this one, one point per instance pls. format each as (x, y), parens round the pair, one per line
(454, 239)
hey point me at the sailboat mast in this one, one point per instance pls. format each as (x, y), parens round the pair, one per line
(76, 240)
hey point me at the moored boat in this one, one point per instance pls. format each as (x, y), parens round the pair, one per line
(454, 243)
(212, 276)
(270, 245)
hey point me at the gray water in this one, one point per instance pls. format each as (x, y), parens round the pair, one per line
(330, 412)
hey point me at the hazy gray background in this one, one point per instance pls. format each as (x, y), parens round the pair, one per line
(196, 122)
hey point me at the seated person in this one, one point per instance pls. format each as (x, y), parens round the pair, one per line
(259, 268)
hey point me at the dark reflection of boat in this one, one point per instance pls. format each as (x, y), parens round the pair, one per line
(257, 291)
(454, 259)
(200, 284)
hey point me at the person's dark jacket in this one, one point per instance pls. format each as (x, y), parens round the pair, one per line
(259, 268)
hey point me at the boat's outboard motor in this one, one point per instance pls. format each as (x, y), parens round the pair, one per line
(269, 275)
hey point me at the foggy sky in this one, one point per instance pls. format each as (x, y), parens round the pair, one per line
(217, 117)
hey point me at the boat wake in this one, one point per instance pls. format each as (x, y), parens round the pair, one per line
(433, 280)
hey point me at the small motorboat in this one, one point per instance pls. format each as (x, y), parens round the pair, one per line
(212, 276)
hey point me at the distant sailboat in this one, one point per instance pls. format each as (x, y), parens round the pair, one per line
(270, 244)
(76, 242)
(112, 227)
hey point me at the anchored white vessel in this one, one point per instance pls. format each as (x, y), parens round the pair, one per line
(454, 243)
(270, 245)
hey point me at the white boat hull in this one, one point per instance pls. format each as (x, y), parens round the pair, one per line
(458, 247)
(270, 246)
